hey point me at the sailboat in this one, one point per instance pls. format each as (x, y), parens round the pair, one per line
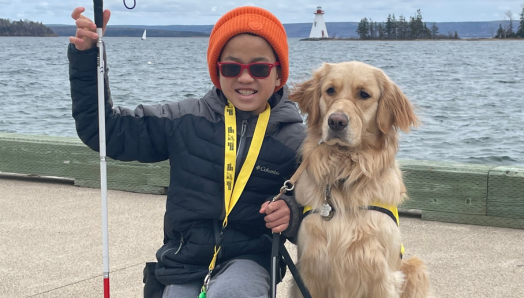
(144, 35)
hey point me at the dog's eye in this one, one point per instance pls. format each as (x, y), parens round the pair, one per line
(330, 91)
(364, 95)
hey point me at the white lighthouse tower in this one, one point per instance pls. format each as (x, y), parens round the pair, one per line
(319, 30)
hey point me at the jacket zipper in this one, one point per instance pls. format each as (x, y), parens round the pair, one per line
(177, 249)
(180, 246)
(241, 145)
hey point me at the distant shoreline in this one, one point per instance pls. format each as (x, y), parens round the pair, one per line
(303, 39)
(345, 30)
(399, 40)
(326, 39)
(29, 36)
(115, 36)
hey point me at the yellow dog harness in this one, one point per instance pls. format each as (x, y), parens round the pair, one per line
(391, 211)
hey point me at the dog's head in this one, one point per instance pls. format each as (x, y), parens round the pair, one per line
(353, 104)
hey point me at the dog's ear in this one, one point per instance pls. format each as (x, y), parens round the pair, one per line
(394, 109)
(307, 95)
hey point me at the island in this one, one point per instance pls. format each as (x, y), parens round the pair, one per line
(24, 28)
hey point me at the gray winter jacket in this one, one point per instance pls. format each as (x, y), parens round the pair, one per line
(190, 133)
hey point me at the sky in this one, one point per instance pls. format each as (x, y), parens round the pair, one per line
(207, 12)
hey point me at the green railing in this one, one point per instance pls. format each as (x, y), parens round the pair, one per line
(443, 191)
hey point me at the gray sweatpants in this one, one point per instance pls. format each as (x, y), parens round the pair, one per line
(238, 279)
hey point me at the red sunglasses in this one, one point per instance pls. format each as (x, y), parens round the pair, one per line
(258, 70)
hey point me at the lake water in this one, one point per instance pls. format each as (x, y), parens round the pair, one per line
(469, 94)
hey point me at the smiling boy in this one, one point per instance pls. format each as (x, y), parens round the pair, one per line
(218, 222)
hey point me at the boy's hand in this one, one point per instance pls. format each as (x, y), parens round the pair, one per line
(85, 29)
(278, 215)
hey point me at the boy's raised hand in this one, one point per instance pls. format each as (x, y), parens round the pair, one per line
(86, 37)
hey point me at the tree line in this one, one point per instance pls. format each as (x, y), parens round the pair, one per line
(401, 29)
(24, 28)
(507, 32)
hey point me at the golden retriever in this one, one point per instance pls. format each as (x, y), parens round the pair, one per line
(353, 112)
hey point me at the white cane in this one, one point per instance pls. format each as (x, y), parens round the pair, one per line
(99, 22)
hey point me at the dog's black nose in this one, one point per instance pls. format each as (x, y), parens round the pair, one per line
(337, 121)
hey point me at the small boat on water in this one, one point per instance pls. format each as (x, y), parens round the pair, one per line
(144, 35)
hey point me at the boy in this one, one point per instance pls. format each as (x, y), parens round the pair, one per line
(230, 152)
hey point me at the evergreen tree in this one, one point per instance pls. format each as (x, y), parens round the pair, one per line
(403, 28)
(419, 26)
(427, 32)
(381, 31)
(434, 30)
(363, 29)
(389, 27)
(456, 35)
(412, 28)
(371, 29)
(520, 30)
(509, 32)
(394, 26)
(501, 33)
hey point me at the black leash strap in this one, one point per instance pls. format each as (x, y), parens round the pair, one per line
(294, 271)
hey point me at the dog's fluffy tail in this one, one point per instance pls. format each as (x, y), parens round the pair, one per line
(416, 283)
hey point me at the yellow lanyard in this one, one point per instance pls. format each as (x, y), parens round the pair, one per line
(233, 189)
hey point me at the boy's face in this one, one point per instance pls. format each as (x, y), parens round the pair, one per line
(245, 92)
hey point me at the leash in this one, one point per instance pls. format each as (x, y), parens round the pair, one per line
(277, 245)
(289, 185)
(278, 248)
(294, 271)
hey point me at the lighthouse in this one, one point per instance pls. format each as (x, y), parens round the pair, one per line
(319, 30)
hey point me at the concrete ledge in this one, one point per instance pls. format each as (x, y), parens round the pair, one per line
(446, 186)
(506, 192)
(70, 158)
(443, 191)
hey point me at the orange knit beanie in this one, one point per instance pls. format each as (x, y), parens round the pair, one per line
(248, 19)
